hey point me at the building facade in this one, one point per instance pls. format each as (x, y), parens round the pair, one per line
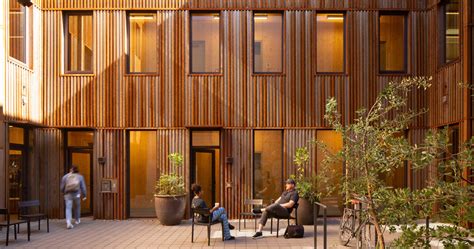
(234, 85)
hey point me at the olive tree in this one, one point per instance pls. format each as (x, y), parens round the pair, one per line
(375, 146)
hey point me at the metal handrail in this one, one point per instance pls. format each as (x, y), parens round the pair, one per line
(316, 214)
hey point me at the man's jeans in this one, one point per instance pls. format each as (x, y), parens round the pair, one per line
(219, 214)
(274, 211)
(72, 199)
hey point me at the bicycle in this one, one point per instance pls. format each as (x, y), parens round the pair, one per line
(356, 223)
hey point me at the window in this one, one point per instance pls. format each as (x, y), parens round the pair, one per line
(392, 43)
(142, 173)
(330, 43)
(20, 21)
(450, 27)
(205, 43)
(142, 47)
(268, 42)
(78, 30)
(268, 164)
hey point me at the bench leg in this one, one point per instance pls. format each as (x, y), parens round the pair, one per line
(208, 235)
(239, 221)
(278, 226)
(47, 224)
(39, 224)
(14, 230)
(245, 225)
(8, 233)
(192, 233)
(29, 231)
(222, 225)
(271, 225)
(255, 224)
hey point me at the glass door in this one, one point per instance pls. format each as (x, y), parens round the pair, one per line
(82, 158)
(204, 173)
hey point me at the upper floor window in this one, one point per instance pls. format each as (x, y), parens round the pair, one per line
(20, 23)
(142, 47)
(78, 45)
(450, 27)
(205, 43)
(268, 43)
(392, 43)
(330, 43)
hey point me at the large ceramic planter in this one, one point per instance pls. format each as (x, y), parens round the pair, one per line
(306, 212)
(170, 209)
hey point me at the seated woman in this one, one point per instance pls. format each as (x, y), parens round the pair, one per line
(217, 213)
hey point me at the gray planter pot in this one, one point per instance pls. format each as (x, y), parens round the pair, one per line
(170, 209)
(306, 212)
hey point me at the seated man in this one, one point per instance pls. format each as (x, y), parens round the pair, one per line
(282, 207)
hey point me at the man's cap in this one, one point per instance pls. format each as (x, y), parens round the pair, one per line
(291, 181)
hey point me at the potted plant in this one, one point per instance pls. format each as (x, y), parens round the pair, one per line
(170, 194)
(311, 188)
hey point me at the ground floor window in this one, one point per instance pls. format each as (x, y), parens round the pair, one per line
(268, 164)
(142, 173)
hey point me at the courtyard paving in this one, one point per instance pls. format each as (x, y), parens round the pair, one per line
(148, 233)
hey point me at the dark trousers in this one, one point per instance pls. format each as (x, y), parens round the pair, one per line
(274, 211)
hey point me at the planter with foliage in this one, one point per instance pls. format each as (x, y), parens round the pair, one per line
(310, 188)
(170, 194)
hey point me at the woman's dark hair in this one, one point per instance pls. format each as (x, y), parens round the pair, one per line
(196, 189)
(75, 169)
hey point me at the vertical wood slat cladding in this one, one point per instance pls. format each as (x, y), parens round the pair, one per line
(417, 179)
(237, 98)
(233, 4)
(445, 97)
(50, 152)
(110, 144)
(18, 78)
(237, 182)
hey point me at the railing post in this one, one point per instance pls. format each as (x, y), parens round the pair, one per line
(316, 214)
(315, 220)
(427, 231)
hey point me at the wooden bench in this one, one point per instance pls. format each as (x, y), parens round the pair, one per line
(30, 211)
(8, 223)
(204, 212)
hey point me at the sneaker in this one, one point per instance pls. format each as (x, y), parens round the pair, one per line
(257, 235)
(231, 238)
(231, 227)
(70, 226)
(77, 222)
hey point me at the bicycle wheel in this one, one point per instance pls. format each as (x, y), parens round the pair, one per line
(346, 229)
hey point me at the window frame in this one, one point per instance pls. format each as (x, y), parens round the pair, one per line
(405, 42)
(282, 157)
(66, 15)
(442, 34)
(344, 66)
(157, 47)
(27, 37)
(282, 13)
(191, 72)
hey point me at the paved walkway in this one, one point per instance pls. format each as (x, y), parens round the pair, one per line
(148, 233)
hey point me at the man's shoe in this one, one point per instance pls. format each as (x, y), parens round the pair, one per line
(70, 226)
(77, 222)
(231, 238)
(257, 235)
(231, 227)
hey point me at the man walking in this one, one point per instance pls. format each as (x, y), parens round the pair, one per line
(282, 207)
(73, 186)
